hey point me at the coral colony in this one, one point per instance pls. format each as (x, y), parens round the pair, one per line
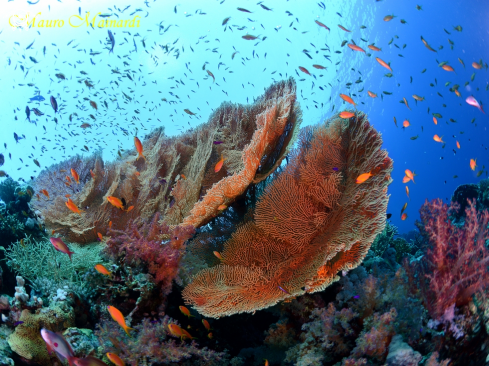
(245, 241)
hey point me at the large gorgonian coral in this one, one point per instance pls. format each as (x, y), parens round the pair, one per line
(177, 178)
(312, 222)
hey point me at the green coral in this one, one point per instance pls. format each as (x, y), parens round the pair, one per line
(382, 241)
(38, 259)
(27, 342)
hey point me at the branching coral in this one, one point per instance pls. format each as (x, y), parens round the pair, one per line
(177, 179)
(34, 259)
(312, 221)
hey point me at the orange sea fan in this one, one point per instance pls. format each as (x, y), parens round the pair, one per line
(253, 138)
(311, 222)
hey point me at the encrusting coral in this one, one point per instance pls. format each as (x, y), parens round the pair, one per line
(26, 340)
(312, 222)
(177, 172)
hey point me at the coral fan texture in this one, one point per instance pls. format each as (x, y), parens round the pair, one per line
(177, 178)
(311, 222)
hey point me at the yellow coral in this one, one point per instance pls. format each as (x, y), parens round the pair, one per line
(27, 342)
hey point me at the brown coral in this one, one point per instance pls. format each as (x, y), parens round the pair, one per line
(312, 221)
(255, 138)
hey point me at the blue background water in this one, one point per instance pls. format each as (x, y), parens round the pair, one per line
(159, 74)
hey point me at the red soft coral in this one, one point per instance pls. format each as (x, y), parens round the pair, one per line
(456, 266)
(154, 245)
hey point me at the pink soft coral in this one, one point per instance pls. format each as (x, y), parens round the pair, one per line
(457, 263)
(375, 342)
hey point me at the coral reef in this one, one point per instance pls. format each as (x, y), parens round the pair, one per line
(152, 343)
(34, 259)
(177, 178)
(147, 246)
(16, 217)
(302, 232)
(26, 340)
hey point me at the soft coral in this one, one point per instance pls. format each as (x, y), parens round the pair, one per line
(154, 245)
(456, 266)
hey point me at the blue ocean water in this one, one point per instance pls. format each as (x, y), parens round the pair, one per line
(166, 54)
(193, 35)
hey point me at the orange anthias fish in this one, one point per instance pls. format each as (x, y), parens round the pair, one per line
(139, 148)
(206, 324)
(341, 27)
(476, 65)
(407, 192)
(371, 94)
(304, 70)
(119, 318)
(435, 121)
(457, 93)
(266, 362)
(75, 176)
(346, 114)
(100, 268)
(473, 164)
(68, 179)
(404, 216)
(222, 207)
(92, 173)
(115, 359)
(458, 145)
(100, 236)
(410, 175)
(322, 25)
(373, 48)
(218, 166)
(406, 123)
(60, 246)
(383, 63)
(447, 68)
(406, 103)
(218, 255)
(354, 47)
(363, 177)
(175, 330)
(438, 139)
(185, 311)
(114, 201)
(71, 205)
(44, 192)
(347, 99)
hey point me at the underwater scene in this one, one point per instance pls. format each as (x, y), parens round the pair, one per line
(238, 182)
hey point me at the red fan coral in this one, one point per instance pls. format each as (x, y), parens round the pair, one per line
(177, 178)
(312, 221)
